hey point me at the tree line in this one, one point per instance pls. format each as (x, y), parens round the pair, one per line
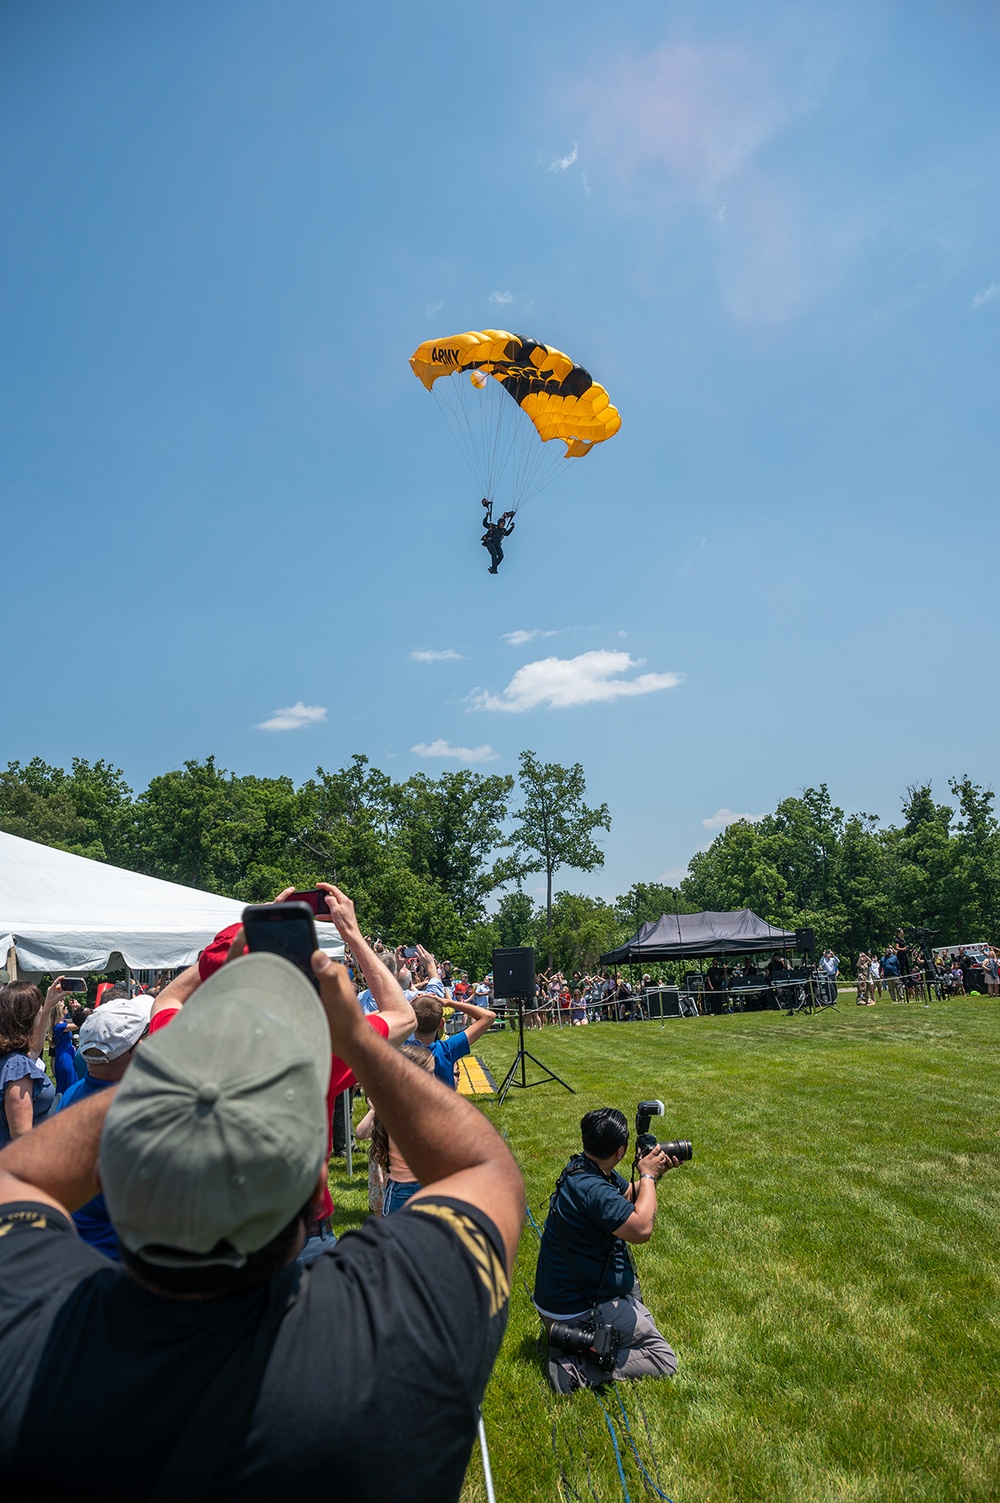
(444, 860)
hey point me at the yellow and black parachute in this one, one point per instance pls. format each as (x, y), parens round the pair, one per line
(516, 429)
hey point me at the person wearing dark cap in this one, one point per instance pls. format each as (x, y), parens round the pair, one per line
(243, 1373)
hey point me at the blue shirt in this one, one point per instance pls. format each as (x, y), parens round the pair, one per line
(15, 1067)
(92, 1220)
(580, 1262)
(63, 1056)
(890, 964)
(445, 1052)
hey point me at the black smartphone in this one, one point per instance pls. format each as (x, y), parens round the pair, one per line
(284, 929)
(73, 984)
(409, 951)
(314, 899)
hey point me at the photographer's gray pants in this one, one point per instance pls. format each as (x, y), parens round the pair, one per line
(643, 1352)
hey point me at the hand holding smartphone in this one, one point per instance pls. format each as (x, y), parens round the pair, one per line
(315, 901)
(286, 929)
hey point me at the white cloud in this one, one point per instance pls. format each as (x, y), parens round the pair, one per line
(723, 817)
(447, 655)
(591, 678)
(294, 718)
(442, 748)
(674, 875)
(985, 296)
(586, 184)
(562, 164)
(435, 307)
(501, 297)
(518, 638)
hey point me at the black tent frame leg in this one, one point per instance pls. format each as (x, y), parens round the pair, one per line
(524, 1084)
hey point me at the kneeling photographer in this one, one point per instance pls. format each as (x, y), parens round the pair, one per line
(586, 1290)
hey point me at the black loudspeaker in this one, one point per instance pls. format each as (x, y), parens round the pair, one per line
(514, 973)
(805, 941)
(663, 1002)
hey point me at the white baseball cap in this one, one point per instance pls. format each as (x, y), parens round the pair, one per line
(113, 1029)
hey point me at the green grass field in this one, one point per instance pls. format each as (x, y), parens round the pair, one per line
(826, 1267)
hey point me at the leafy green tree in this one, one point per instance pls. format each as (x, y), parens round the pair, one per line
(920, 862)
(515, 920)
(738, 870)
(448, 829)
(975, 880)
(577, 930)
(555, 825)
(859, 909)
(645, 902)
(203, 826)
(87, 811)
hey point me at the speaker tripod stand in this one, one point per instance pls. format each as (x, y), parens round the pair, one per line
(519, 1059)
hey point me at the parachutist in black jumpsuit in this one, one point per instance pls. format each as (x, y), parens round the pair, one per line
(495, 533)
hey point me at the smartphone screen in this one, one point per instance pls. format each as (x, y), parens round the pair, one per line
(74, 984)
(315, 900)
(409, 952)
(284, 929)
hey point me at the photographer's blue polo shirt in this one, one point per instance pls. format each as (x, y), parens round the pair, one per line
(578, 1245)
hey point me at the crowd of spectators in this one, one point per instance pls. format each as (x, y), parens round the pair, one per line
(251, 1347)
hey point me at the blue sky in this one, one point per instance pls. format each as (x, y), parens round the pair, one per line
(770, 231)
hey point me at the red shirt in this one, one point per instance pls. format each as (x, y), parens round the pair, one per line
(342, 1078)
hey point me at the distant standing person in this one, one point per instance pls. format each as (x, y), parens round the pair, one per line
(903, 958)
(874, 976)
(63, 1053)
(829, 967)
(26, 1092)
(391, 1181)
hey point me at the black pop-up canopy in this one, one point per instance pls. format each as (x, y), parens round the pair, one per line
(681, 936)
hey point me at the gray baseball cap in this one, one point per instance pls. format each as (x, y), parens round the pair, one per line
(219, 1130)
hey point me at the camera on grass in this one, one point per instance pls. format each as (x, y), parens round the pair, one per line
(645, 1142)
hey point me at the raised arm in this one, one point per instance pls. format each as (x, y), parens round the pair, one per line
(448, 1144)
(482, 1018)
(56, 1163)
(178, 991)
(382, 984)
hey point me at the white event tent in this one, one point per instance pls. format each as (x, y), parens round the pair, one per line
(60, 912)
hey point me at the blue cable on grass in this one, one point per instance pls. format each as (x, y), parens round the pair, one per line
(618, 1454)
(534, 1223)
(635, 1452)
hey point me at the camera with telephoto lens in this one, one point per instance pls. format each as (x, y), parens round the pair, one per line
(599, 1343)
(644, 1139)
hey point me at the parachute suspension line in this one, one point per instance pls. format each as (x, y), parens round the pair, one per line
(498, 440)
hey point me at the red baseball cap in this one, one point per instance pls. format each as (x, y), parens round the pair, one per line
(214, 955)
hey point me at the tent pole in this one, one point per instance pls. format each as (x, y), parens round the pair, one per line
(12, 964)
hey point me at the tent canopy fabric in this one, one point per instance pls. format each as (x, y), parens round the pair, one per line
(691, 936)
(65, 913)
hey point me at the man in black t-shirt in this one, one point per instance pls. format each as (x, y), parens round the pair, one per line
(236, 1372)
(584, 1271)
